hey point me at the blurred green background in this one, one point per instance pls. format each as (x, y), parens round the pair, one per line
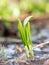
(14, 8)
(10, 10)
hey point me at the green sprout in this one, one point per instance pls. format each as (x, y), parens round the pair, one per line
(2, 51)
(24, 30)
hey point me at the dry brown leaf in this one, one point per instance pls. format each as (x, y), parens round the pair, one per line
(19, 48)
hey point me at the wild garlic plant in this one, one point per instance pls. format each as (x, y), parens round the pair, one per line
(24, 31)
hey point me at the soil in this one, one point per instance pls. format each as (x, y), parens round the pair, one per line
(18, 56)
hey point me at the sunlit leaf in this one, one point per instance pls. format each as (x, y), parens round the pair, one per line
(26, 20)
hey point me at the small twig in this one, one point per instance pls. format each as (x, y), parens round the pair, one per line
(41, 44)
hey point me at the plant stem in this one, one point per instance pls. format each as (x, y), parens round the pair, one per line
(2, 51)
(31, 51)
(27, 52)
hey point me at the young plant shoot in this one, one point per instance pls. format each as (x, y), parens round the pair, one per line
(24, 30)
(2, 51)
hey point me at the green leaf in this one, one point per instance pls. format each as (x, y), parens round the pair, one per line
(22, 32)
(28, 34)
(26, 20)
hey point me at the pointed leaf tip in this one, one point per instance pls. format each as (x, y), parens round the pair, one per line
(26, 20)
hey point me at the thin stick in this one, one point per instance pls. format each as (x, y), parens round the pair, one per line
(41, 44)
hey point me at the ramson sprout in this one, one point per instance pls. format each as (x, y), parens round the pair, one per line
(24, 31)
